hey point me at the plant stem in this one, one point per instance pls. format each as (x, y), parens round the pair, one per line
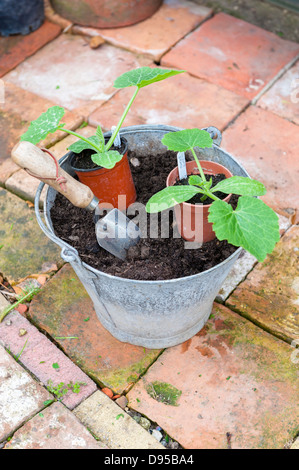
(198, 165)
(82, 138)
(9, 309)
(111, 140)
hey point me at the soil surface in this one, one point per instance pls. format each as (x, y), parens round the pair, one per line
(277, 19)
(153, 258)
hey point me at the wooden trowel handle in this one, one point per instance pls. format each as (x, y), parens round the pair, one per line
(42, 166)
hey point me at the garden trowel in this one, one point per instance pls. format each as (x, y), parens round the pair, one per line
(115, 232)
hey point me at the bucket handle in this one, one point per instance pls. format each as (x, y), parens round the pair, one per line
(68, 253)
(215, 135)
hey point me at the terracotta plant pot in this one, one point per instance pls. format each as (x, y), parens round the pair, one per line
(192, 219)
(113, 186)
(106, 13)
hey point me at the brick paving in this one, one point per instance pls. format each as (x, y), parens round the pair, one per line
(234, 383)
(214, 52)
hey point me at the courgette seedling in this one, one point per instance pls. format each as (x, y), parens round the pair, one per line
(252, 225)
(49, 121)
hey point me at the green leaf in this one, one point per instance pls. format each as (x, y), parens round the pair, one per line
(195, 180)
(187, 139)
(47, 123)
(252, 225)
(144, 76)
(106, 159)
(55, 365)
(80, 145)
(240, 185)
(169, 197)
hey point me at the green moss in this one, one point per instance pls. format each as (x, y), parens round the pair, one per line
(164, 392)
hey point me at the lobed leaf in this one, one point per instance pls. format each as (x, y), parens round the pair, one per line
(241, 185)
(181, 141)
(169, 197)
(107, 159)
(144, 76)
(45, 124)
(195, 179)
(252, 225)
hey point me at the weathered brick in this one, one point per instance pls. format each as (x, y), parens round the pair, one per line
(15, 49)
(20, 396)
(231, 385)
(80, 78)
(156, 35)
(113, 426)
(215, 51)
(25, 249)
(40, 354)
(173, 102)
(268, 147)
(53, 428)
(269, 295)
(63, 308)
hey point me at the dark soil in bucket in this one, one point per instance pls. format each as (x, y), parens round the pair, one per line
(153, 258)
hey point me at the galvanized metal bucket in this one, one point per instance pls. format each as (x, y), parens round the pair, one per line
(153, 314)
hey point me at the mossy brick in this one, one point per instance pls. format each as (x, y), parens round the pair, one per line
(231, 385)
(232, 53)
(24, 248)
(62, 309)
(270, 295)
(16, 48)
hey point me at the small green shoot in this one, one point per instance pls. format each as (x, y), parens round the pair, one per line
(55, 365)
(61, 389)
(29, 293)
(49, 121)
(121, 415)
(252, 225)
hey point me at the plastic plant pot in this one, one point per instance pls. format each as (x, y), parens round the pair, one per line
(20, 17)
(106, 13)
(192, 219)
(113, 186)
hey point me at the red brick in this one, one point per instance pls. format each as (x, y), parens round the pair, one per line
(232, 377)
(232, 53)
(268, 147)
(182, 101)
(156, 35)
(18, 110)
(69, 73)
(15, 49)
(63, 308)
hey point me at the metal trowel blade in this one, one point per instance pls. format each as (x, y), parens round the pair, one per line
(116, 233)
